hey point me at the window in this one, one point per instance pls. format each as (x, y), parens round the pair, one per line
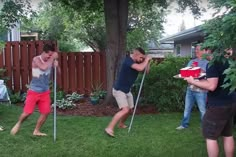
(178, 48)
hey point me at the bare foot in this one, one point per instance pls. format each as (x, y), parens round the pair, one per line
(109, 132)
(123, 126)
(15, 129)
(37, 133)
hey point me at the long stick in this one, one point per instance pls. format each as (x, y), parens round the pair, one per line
(136, 103)
(54, 104)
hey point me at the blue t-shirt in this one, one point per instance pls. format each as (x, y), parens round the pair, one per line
(126, 76)
(220, 96)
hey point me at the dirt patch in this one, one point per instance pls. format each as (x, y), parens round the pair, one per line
(87, 109)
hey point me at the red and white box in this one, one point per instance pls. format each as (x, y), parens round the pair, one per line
(184, 72)
(195, 72)
(189, 71)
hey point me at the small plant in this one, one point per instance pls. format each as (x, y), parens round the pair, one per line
(65, 104)
(59, 95)
(98, 91)
(94, 98)
(102, 94)
(75, 97)
(16, 98)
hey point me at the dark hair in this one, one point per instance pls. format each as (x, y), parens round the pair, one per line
(140, 50)
(48, 47)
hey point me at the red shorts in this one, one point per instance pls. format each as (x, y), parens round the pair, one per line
(41, 99)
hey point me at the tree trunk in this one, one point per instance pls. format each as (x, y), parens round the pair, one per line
(116, 15)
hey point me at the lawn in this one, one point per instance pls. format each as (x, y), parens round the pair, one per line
(151, 136)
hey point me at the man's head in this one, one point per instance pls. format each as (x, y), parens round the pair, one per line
(48, 50)
(198, 51)
(138, 55)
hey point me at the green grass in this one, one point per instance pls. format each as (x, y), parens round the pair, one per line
(151, 136)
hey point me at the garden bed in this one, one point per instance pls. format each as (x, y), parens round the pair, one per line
(87, 109)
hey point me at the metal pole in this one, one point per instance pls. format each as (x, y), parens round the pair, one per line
(136, 103)
(54, 104)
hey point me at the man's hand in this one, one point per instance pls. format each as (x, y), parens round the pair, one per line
(55, 63)
(190, 79)
(55, 55)
(148, 58)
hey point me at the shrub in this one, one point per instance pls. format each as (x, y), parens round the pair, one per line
(65, 104)
(75, 97)
(16, 97)
(160, 88)
(59, 95)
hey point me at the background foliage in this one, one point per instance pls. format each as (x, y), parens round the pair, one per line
(161, 88)
(221, 34)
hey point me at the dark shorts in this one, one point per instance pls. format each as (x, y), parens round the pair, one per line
(218, 121)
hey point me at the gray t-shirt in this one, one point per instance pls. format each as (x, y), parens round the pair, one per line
(202, 63)
(40, 79)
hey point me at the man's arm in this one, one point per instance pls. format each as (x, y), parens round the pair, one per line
(208, 84)
(141, 66)
(44, 65)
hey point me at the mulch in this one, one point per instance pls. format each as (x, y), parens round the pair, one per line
(85, 108)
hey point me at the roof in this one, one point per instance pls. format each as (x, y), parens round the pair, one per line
(183, 35)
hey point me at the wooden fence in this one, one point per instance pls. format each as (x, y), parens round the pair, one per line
(80, 71)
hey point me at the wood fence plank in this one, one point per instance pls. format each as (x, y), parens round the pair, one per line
(31, 55)
(87, 71)
(64, 71)
(8, 64)
(16, 66)
(103, 70)
(24, 65)
(39, 47)
(95, 69)
(1, 59)
(59, 75)
(71, 60)
(80, 72)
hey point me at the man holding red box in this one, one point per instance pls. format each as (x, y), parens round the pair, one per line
(193, 93)
(218, 120)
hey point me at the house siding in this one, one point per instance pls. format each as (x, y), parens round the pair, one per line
(186, 46)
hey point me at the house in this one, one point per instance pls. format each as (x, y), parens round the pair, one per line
(184, 41)
(161, 50)
(14, 34)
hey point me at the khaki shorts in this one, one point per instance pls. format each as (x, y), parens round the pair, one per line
(123, 99)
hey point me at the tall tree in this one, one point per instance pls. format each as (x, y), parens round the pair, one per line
(221, 35)
(116, 20)
(12, 12)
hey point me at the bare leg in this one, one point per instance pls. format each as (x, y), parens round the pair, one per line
(40, 122)
(110, 128)
(212, 148)
(22, 118)
(229, 146)
(122, 121)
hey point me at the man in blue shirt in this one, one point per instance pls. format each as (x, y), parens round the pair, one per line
(218, 119)
(131, 66)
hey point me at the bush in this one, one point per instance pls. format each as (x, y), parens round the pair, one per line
(17, 97)
(65, 104)
(74, 97)
(160, 88)
(59, 95)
